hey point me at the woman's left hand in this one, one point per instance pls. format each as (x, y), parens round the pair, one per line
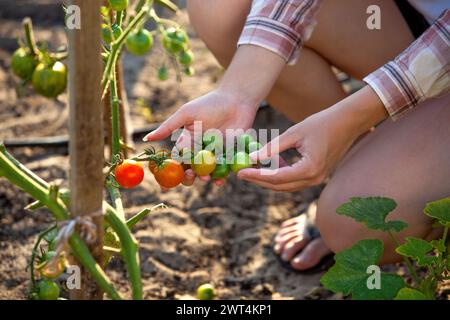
(321, 139)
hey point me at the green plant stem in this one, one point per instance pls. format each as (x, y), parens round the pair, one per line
(23, 179)
(130, 251)
(142, 214)
(29, 36)
(116, 199)
(119, 18)
(116, 47)
(115, 118)
(408, 263)
(35, 250)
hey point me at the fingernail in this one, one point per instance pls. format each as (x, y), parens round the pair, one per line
(298, 259)
(277, 248)
(147, 136)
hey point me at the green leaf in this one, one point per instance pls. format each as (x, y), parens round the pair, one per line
(410, 294)
(439, 245)
(350, 273)
(439, 210)
(372, 211)
(168, 4)
(419, 250)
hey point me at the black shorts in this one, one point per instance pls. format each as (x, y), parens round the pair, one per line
(415, 20)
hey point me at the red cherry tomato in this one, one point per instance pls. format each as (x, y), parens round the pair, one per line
(169, 173)
(129, 174)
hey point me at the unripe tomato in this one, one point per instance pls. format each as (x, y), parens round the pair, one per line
(205, 292)
(50, 81)
(186, 58)
(48, 290)
(118, 5)
(169, 174)
(243, 142)
(129, 174)
(160, 154)
(204, 163)
(163, 73)
(189, 71)
(222, 169)
(23, 63)
(253, 146)
(140, 43)
(241, 161)
(174, 40)
(106, 33)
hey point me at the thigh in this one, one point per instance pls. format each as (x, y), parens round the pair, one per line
(407, 160)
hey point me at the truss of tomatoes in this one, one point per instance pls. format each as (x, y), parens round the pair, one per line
(170, 172)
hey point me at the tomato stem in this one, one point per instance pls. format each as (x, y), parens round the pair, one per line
(29, 35)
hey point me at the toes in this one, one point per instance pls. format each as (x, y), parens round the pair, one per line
(293, 246)
(311, 255)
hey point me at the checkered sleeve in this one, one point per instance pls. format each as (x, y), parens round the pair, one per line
(419, 73)
(281, 26)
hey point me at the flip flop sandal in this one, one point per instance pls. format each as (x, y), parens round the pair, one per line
(326, 262)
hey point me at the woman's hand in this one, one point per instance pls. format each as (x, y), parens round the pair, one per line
(322, 140)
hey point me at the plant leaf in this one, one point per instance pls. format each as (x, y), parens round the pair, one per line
(439, 245)
(168, 4)
(410, 294)
(417, 249)
(350, 273)
(372, 211)
(439, 210)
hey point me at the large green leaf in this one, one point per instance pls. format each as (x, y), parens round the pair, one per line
(372, 211)
(439, 210)
(410, 294)
(350, 273)
(419, 250)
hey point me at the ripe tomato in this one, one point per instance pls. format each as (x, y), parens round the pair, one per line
(205, 292)
(204, 163)
(241, 161)
(160, 154)
(169, 174)
(243, 142)
(186, 58)
(52, 271)
(140, 43)
(174, 40)
(106, 33)
(163, 73)
(222, 169)
(48, 290)
(118, 5)
(129, 174)
(23, 63)
(51, 80)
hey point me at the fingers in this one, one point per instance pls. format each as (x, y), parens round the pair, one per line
(174, 122)
(189, 178)
(281, 143)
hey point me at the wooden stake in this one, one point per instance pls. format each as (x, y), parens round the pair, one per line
(86, 145)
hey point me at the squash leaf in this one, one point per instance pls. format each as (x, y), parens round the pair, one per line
(372, 211)
(419, 250)
(410, 294)
(439, 210)
(350, 273)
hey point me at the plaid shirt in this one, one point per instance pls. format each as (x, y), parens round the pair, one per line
(419, 73)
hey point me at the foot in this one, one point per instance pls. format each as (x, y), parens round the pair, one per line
(294, 244)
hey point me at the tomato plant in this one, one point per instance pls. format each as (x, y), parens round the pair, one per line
(160, 155)
(175, 40)
(109, 35)
(140, 43)
(163, 74)
(118, 5)
(205, 292)
(129, 174)
(23, 63)
(222, 169)
(50, 80)
(203, 163)
(169, 173)
(186, 57)
(241, 160)
(48, 290)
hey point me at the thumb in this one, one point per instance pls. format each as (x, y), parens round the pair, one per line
(174, 122)
(281, 143)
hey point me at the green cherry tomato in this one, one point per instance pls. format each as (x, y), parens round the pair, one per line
(241, 161)
(118, 5)
(163, 74)
(174, 40)
(204, 163)
(212, 141)
(205, 292)
(23, 63)
(48, 290)
(253, 146)
(189, 71)
(106, 33)
(222, 169)
(243, 142)
(186, 57)
(140, 43)
(50, 81)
